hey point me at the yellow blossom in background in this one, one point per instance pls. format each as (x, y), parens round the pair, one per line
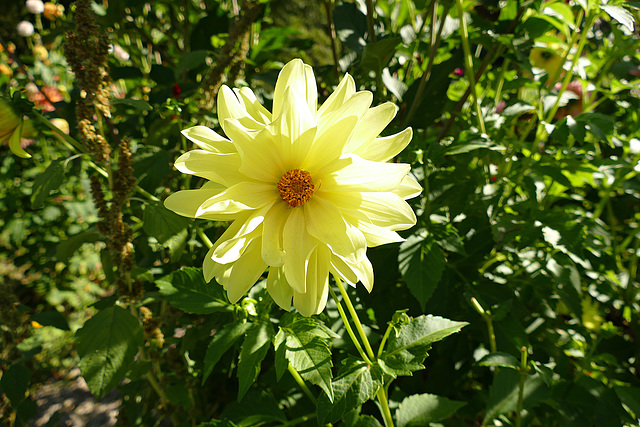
(308, 188)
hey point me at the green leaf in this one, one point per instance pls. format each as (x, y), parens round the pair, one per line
(503, 360)
(503, 394)
(253, 351)
(169, 229)
(406, 350)
(356, 383)
(600, 125)
(138, 104)
(518, 109)
(421, 263)
(67, 248)
(376, 55)
(619, 14)
(186, 289)
(49, 180)
(220, 343)
(307, 350)
(107, 344)
(262, 410)
(630, 396)
(51, 318)
(422, 409)
(14, 383)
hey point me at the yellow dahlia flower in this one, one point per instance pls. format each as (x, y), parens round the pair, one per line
(307, 187)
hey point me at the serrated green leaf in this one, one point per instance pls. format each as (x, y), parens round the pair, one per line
(356, 383)
(220, 343)
(307, 350)
(186, 289)
(253, 351)
(504, 360)
(107, 344)
(503, 394)
(422, 409)
(14, 383)
(49, 180)
(600, 125)
(67, 248)
(421, 263)
(281, 362)
(406, 350)
(168, 228)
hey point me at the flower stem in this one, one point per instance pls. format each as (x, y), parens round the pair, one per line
(347, 326)
(370, 359)
(384, 404)
(469, 66)
(523, 377)
(296, 376)
(356, 320)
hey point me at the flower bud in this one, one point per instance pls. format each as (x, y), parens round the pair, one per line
(25, 28)
(35, 6)
(120, 53)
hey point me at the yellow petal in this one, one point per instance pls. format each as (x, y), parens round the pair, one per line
(298, 246)
(245, 272)
(217, 167)
(235, 240)
(209, 140)
(325, 222)
(314, 299)
(272, 243)
(279, 288)
(352, 173)
(294, 130)
(187, 202)
(357, 106)
(339, 96)
(384, 209)
(242, 196)
(343, 270)
(377, 235)
(371, 124)
(329, 146)
(230, 107)
(253, 106)
(260, 155)
(408, 188)
(385, 148)
(298, 77)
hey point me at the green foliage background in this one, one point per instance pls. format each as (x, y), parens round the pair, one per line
(526, 141)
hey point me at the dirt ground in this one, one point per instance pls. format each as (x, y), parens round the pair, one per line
(68, 402)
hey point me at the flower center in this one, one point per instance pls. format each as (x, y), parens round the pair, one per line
(296, 187)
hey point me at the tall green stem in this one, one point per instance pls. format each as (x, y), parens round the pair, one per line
(369, 357)
(523, 377)
(468, 59)
(356, 320)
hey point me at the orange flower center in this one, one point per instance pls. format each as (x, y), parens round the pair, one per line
(296, 187)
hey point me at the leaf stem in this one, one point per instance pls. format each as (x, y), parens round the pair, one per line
(204, 237)
(296, 376)
(469, 66)
(163, 396)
